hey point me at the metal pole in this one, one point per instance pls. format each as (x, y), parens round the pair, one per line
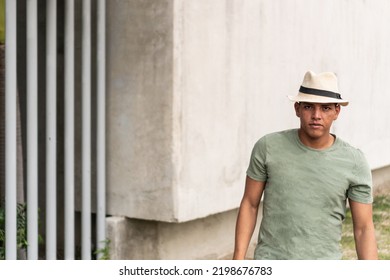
(51, 117)
(86, 132)
(10, 130)
(101, 125)
(69, 130)
(32, 129)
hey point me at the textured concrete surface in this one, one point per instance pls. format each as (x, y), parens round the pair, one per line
(139, 112)
(381, 180)
(209, 238)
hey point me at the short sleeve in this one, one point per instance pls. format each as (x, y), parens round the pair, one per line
(360, 189)
(257, 169)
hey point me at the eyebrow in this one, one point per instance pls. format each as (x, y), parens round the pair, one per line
(321, 104)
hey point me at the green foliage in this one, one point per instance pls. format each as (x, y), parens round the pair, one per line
(104, 253)
(382, 203)
(2, 21)
(21, 227)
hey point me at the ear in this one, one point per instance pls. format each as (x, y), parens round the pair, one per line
(337, 109)
(297, 111)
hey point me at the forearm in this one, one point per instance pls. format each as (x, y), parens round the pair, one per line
(245, 226)
(365, 242)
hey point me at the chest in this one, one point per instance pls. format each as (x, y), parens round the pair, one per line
(306, 175)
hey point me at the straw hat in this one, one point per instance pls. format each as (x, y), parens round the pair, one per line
(319, 88)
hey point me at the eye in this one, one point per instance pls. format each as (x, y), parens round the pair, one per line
(326, 108)
(307, 107)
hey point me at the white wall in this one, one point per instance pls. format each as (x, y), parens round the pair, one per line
(237, 60)
(222, 83)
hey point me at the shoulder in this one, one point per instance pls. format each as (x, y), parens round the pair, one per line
(348, 147)
(284, 134)
(276, 139)
(350, 151)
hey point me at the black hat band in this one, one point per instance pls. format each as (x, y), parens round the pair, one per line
(320, 92)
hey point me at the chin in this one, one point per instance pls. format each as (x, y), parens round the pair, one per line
(314, 134)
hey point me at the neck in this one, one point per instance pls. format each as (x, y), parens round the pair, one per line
(319, 143)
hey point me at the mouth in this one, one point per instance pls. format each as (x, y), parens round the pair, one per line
(315, 125)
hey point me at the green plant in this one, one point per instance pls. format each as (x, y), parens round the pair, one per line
(21, 226)
(103, 253)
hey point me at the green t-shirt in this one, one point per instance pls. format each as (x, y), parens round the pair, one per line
(305, 195)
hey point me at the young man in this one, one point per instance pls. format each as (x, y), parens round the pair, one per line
(306, 175)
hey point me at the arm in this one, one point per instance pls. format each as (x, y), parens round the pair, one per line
(247, 217)
(364, 232)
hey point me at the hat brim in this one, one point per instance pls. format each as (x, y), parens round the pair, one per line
(311, 98)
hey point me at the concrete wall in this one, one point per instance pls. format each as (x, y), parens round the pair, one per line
(216, 75)
(139, 114)
(209, 238)
(193, 84)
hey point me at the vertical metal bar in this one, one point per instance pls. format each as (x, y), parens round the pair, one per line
(51, 119)
(69, 130)
(32, 129)
(86, 132)
(10, 130)
(101, 125)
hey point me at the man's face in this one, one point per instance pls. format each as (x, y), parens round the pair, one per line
(316, 118)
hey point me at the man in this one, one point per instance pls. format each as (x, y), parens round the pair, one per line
(307, 175)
